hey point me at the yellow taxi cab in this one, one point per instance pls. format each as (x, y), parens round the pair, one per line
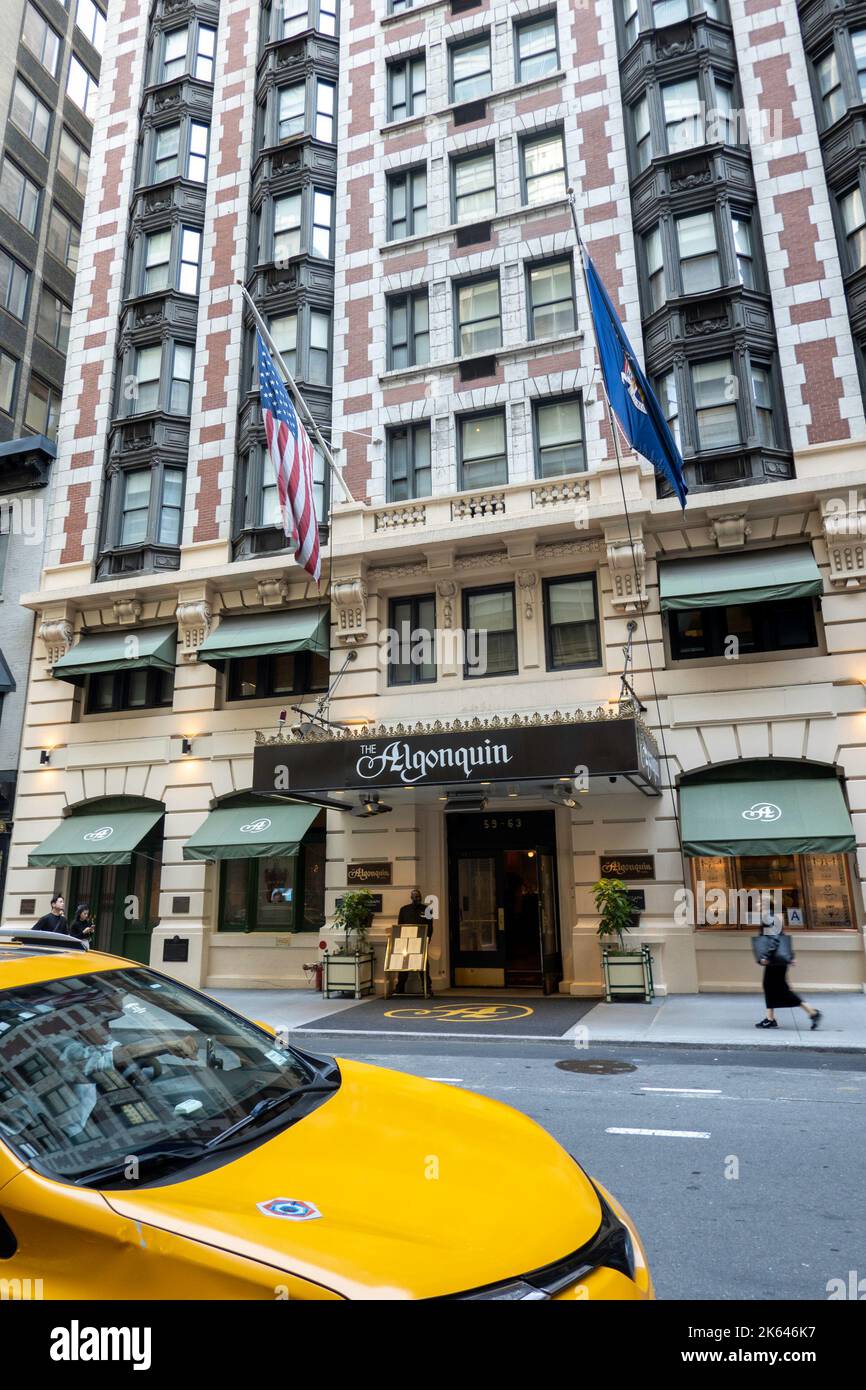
(156, 1145)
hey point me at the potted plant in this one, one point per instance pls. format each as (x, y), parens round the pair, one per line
(349, 970)
(627, 970)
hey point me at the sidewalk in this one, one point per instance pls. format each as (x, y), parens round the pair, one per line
(688, 1020)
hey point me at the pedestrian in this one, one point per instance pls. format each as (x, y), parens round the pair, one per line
(82, 925)
(773, 950)
(55, 920)
(414, 913)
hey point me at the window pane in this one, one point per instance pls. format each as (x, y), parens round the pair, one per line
(81, 87)
(172, 505)
(136, 499)
(475, 188)
(7, 382)
(572, 624)
(30, 115)
(483, 450)
(470, 71)
(682, 105)
(536, 47)
(560, 438)
(287, 226)
(699, 261)
(291, 110)
(320, 338)
(492, 615)
(714, 386)
(478, 316)
(322, 218)
(544, 169)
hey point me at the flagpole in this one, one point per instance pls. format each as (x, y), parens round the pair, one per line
(275, 352)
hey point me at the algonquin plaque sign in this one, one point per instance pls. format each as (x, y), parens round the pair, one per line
(460, 755)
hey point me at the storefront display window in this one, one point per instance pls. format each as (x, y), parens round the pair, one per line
(278, 893)
(813, 891)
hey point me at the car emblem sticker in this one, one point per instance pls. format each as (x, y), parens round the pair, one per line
(289, 1208)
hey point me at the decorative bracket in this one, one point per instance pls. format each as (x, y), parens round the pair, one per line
(844, 522)
(57, 634)
(126, 610)
(273, 589)
(527, 581)
(193, 623)
(730, 531)
(627, 570)
(350, 601)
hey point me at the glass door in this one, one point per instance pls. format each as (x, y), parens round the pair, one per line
(551, 955)
(478, 921)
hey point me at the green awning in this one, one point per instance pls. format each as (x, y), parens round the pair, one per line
(105, 837)
(124, 649)
(750, 576)
(796, 815)
(251, 832)
(262, 634)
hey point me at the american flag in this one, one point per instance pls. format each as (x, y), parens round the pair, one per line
(291, 454)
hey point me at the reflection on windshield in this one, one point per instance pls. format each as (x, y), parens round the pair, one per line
(97, 1069)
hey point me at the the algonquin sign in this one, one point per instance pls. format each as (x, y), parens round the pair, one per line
(489, 750)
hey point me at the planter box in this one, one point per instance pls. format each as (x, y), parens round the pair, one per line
(629, 973)
(351, 975)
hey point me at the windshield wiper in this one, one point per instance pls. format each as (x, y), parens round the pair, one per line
(157, 1154)
(264, 1106)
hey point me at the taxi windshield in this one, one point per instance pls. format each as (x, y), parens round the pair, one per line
(126, 1074)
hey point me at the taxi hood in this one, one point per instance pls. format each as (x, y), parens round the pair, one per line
(422, 1190)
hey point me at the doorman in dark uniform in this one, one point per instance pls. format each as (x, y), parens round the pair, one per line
(413, 914)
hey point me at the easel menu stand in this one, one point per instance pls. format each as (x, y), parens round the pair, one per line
(405, 953)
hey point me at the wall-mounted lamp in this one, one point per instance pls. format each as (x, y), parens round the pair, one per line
(44, 757)
(186, 745)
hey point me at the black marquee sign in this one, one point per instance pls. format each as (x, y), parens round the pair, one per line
(511, 753)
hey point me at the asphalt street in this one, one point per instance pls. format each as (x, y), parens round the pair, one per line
(744, 1172)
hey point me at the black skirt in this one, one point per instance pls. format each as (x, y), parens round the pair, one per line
(777, 992)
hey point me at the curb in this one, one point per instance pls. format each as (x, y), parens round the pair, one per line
(785, 1048)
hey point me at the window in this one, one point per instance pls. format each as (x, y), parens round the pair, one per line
(147, 368)
(203, 62)
(684, 127)
(165, 153)
(171, 506)
(144, 688)
(277, 894)
(571, 623)
(323, 221)
(666, 393)
(30, 115)
(73, 161)
(8, 373)
(488, 614)
(817, 884)
(14, 283)
(43, 408)
(190, 260)
(537, 48)
(91, 22)
(854, 222)
(284, 331)
(287, 227)
(479, 320)
(407, 204)
(655, 268)
(19, 196)
(559, 437)
(471, 76)
(281, 673)
(830, 88)
(327, 20)
(700, 268)
(409, 462)
(762, 395)
(483, 461)
(135, 505)
(630, 21)
(291, 110)
(399, 6)
(196, 162)
(669, 12)
(64, 238)
(475, 187)
(262, 499)
(53, 321)
(319, 371)
(412, 650)
(551, 299)
(181, 379)
(858, 42)
(543, 169)
(295, 17)
(723, 118)
(407, 88)
(174, 46)
(81, 87)
(41, 39)
(743, 250)
(408, 330)
(642, 131)
(786, 625)
(324, 125)
(157, 256)
(715, 390)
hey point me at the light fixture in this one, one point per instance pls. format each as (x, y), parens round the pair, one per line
(371, 806)
(561, 796)
(471, 801)
(44, 757)
(186, 745)
(512, 791)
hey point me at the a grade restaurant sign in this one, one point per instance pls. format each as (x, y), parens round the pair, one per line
(606, 747)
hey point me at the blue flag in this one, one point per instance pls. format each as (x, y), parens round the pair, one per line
(631, 397)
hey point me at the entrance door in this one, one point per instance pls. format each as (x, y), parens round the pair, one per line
(502, 901)
(123, 900)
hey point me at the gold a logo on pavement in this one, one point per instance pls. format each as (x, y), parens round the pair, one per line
(465, 1013)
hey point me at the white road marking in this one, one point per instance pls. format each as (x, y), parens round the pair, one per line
(681, 1090)
(453, 1080)
(664, 1133)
